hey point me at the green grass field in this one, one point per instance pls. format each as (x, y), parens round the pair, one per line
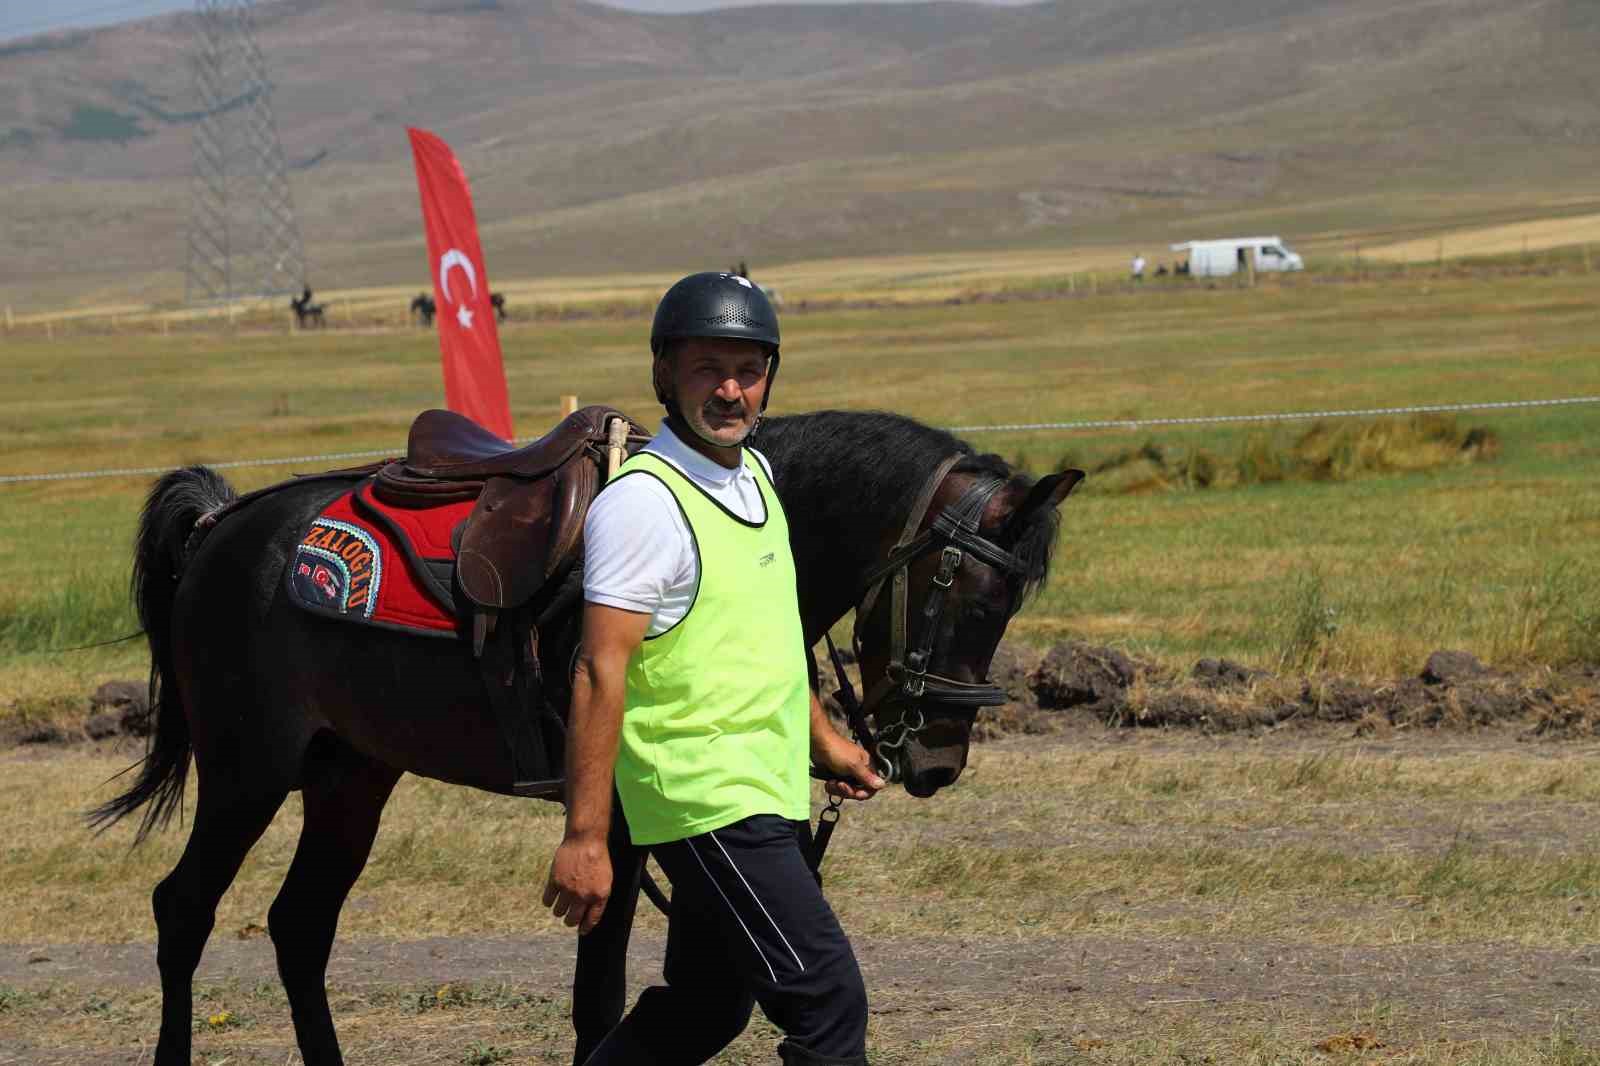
(1491, 556)
(1102, 896)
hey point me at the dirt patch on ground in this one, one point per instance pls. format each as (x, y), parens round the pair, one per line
(1462, 980)
(1107, 986)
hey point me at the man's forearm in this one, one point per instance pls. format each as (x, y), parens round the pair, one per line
(592, 736)
(822, 731)
(826, 740)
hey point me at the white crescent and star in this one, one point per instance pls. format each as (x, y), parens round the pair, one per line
(455, 257)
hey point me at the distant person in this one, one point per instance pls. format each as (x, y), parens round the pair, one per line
(744, 269)
(1138, 267)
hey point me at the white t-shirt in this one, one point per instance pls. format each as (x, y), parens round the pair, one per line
(638, 552)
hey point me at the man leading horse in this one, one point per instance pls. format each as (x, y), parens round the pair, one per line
(692, 701)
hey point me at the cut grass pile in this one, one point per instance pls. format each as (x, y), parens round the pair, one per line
(1326, 451)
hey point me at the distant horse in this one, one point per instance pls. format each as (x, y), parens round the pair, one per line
(497, 300)
(424, 308)
(307, 313)
(266, 698)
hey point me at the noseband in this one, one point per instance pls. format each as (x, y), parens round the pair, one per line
(909, 675)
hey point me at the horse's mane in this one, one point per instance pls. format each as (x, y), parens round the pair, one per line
(857, 460)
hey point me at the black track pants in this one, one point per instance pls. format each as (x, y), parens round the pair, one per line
(749, 925)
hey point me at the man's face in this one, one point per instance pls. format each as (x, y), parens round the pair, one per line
(719, 384)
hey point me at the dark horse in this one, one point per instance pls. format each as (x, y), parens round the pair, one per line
(424, 308)
(268, 699)
(307, 313)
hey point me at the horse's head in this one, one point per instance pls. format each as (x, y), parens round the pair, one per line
(949, 586)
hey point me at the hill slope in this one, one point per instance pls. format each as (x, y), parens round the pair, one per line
(603, 140)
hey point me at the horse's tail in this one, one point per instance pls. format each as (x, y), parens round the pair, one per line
(175, 505)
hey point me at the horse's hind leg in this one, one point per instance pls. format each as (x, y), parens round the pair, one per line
(344, 795)
(229, 818)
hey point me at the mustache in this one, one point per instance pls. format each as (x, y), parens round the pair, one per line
(722, 407)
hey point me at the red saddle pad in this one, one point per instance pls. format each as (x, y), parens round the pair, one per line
(366, 561)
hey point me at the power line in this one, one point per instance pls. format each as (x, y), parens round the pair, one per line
(1115, 423)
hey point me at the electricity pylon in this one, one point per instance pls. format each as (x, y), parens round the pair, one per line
(243, 239)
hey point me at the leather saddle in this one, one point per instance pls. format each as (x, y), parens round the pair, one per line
(515, 553)
(527, 525)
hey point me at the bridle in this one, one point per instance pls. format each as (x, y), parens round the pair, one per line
(909, 674)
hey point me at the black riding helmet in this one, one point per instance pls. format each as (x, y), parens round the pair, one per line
(717, 305)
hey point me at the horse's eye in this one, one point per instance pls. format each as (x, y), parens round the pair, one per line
(985, 611)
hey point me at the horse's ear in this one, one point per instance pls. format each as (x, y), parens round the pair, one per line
(1048, 491)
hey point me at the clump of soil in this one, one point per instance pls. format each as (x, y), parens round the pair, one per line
(115, 709)
(1075, 674)
(1452, 691)
(1076, 681)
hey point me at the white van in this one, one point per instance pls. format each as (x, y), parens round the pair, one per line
(1216, 259)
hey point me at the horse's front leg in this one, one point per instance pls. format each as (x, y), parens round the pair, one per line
(600, 982)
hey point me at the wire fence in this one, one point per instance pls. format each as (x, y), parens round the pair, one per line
(1288, 416)
(1013, 427)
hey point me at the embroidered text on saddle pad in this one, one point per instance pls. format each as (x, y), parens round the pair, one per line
(364, 561)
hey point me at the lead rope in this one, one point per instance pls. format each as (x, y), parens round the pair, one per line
(828, 820)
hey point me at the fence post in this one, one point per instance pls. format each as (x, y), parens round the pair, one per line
(569, 405)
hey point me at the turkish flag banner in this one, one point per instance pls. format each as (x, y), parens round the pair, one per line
(474, 374)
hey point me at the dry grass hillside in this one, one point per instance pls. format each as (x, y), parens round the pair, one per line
(601, 140)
